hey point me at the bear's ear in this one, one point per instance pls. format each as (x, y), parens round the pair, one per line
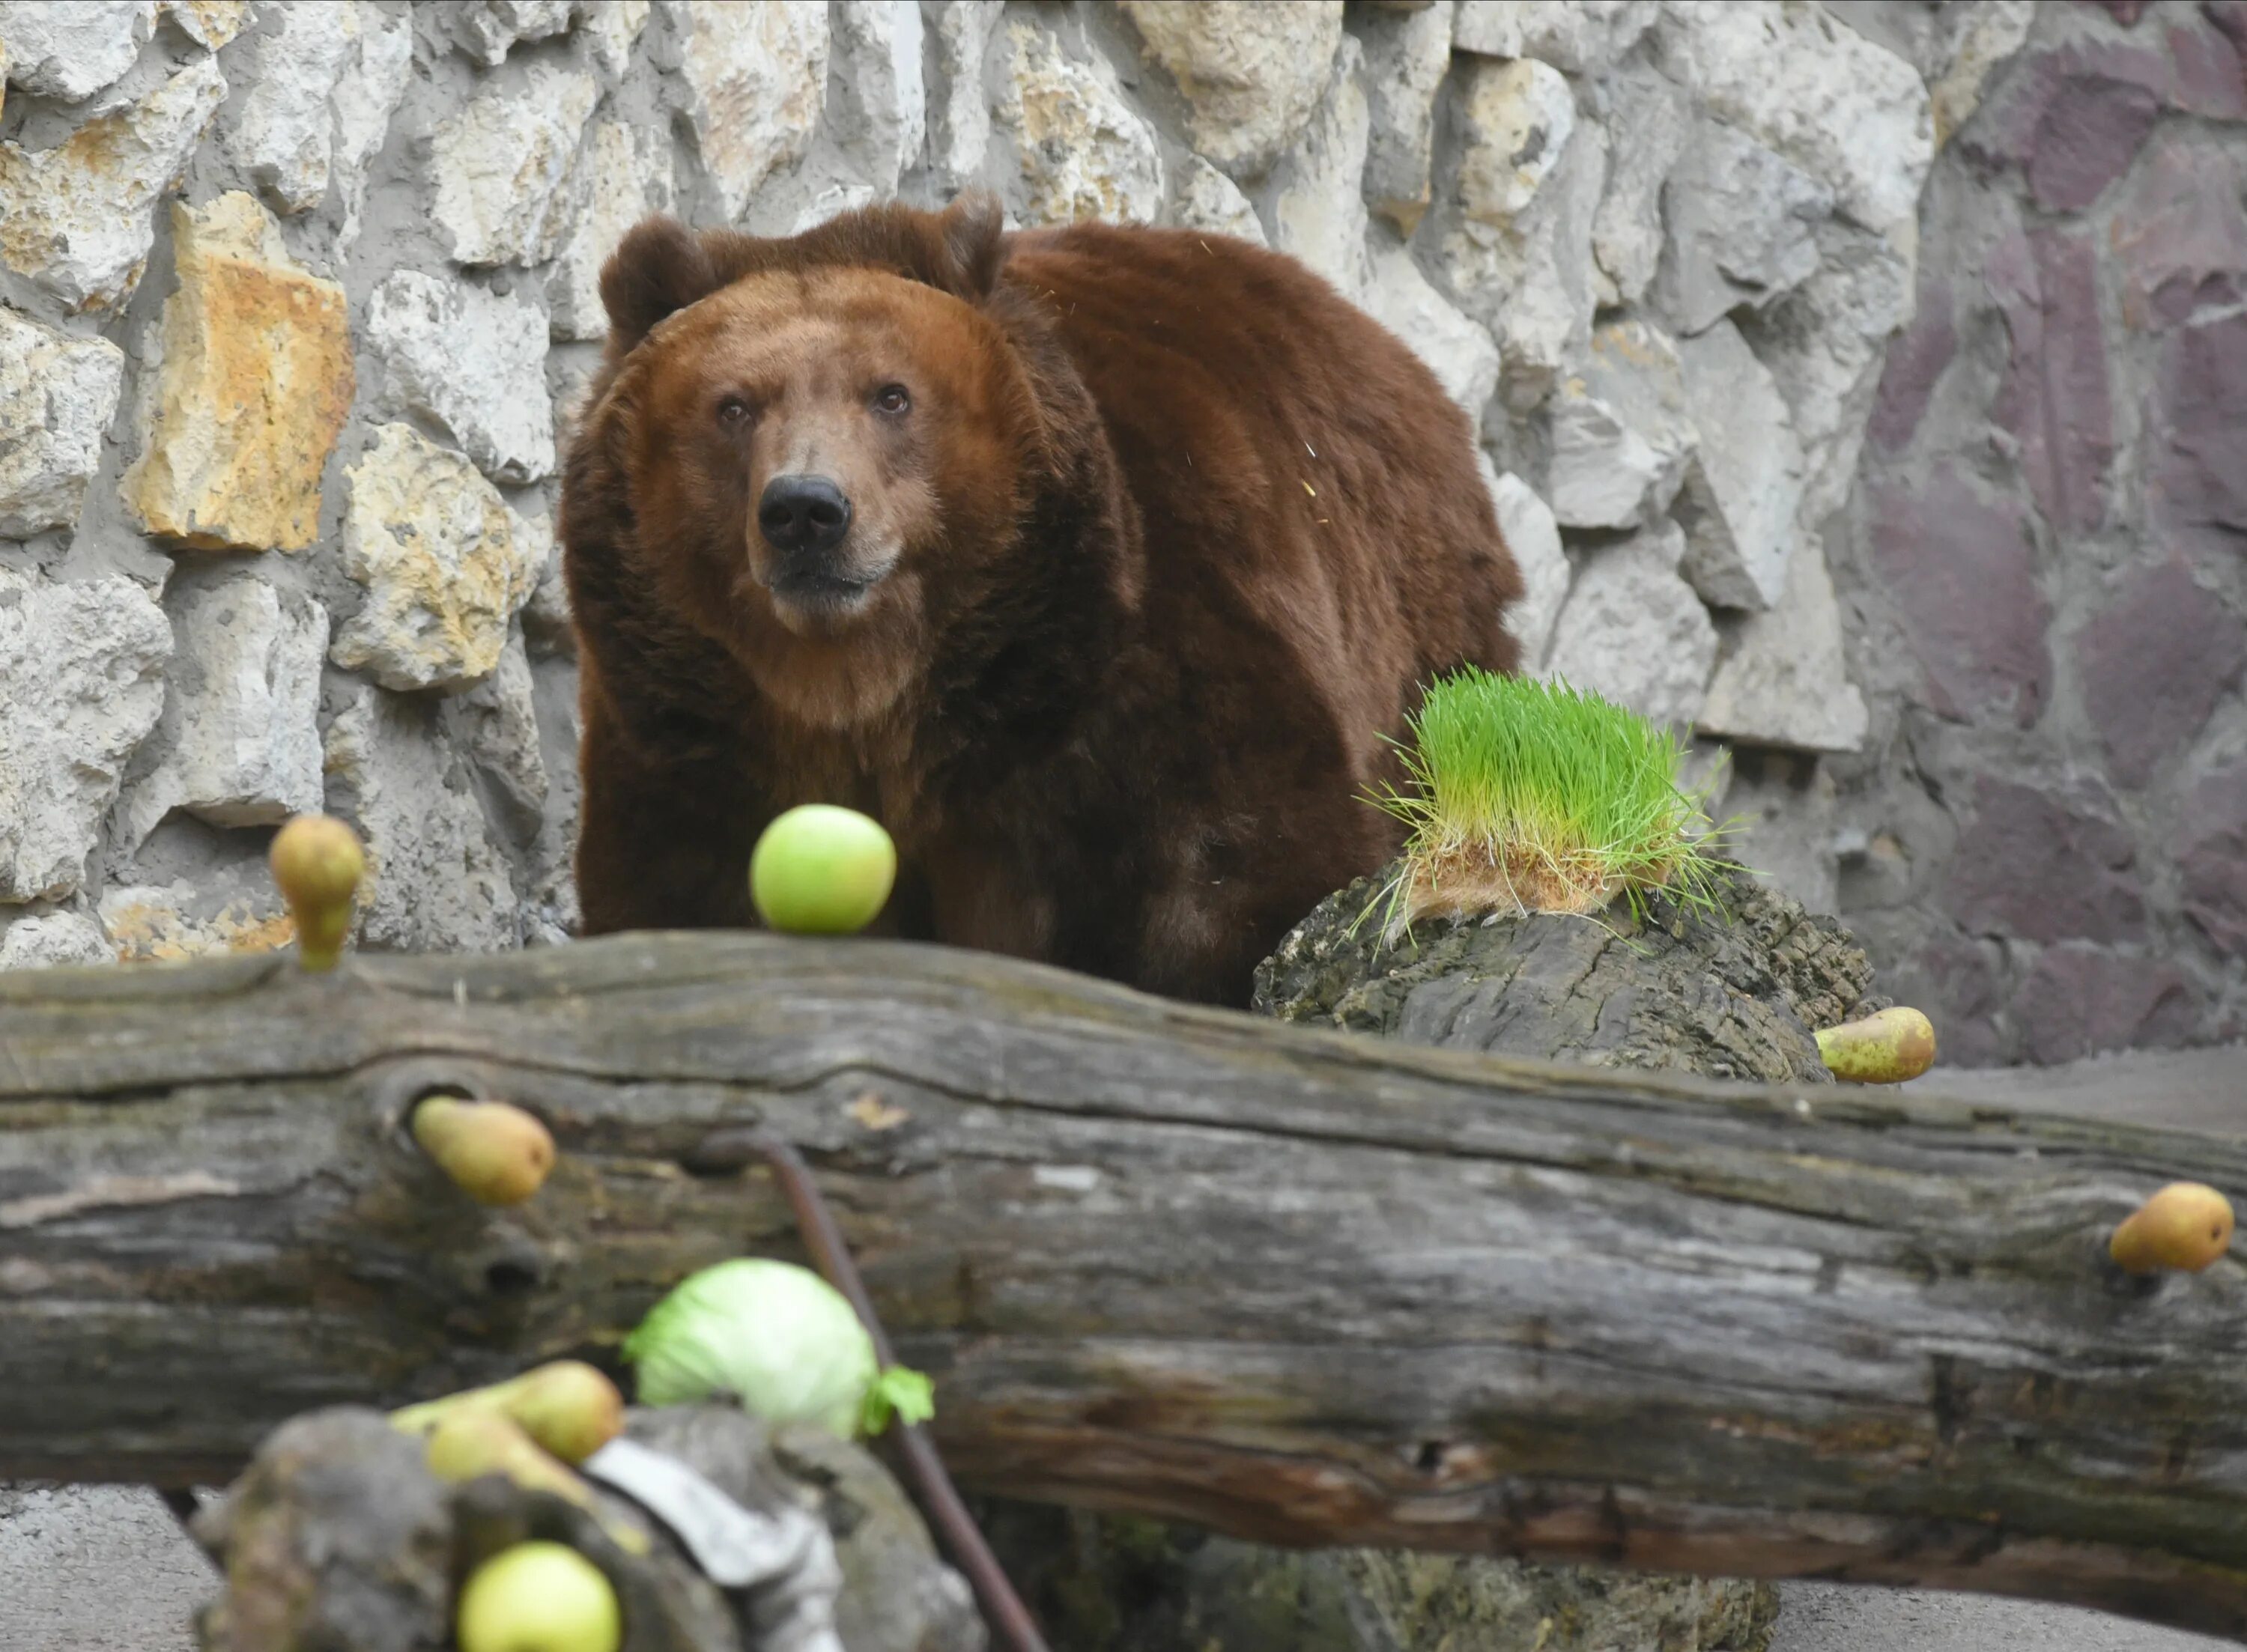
(971, 235)
(659, 267)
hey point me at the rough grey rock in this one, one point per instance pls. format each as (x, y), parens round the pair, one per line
(1977, 39)
(1745, 487)
(828, 202)
(1082, 151)
(474, 363)
(1842, 108)
(1251, 75)
(1314, 205)
(1633, 630)
(366, 96)
(1205, 198)
(495, 725)
(881, 121)
(50, 939)
(71, 49)
(281, 132)
(756, 85)
(546, 620)
(1739, 218)
(436, 882)
(629, 176)
(488, 30)
(960, 122)
(239, 741)
(82, 676)
(1785, 681)
(610, 29)
(1518, 116)
(1407, 54)
(208, 24)
(1460, 352)
(58, 394)
(1824, 343)
(1513, 242)
(1622, 437)
(504, 182)
(1526, 522)
(1582, 36)
(78, 219)
(1782, 814)
(1651, 118)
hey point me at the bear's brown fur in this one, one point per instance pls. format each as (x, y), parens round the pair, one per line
(1152, 538)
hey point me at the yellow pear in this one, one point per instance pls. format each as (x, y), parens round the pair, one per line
(498, 1153)
(2184, 1228)
(1891, 1047)
(316, 864)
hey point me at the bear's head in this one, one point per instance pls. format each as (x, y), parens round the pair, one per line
(822, 440)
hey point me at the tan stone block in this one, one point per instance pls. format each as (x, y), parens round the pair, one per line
(164, 923)
(446, 566)
(209, 23)
(256, 380)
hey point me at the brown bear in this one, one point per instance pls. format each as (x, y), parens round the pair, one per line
(1100, 565)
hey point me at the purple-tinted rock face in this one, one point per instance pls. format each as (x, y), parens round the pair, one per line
(1961, 570)
(2079, 1000)
(2086, 140)
(2072, 118)
(2230, 18)
(2181, 237)
(2094, 895)
(2197, 430)
(2153, 665)
(2208, 79)
(2055, 400)
(1965, 997)
(2035, 865)
(1915, 362)
(2213, 858)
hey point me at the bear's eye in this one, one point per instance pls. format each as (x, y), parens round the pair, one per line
(892, 398)
(732, 410)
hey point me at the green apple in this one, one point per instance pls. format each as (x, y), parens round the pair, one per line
(538, 1597)
(819, 870)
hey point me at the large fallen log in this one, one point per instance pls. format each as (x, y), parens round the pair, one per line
(1294, 1285)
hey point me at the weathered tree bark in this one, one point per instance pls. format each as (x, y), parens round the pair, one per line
(1297, 1287)
(1736, 994)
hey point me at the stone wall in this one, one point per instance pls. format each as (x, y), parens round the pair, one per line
(2045, 834)
(294, 301)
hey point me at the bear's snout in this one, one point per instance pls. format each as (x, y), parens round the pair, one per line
(806, 521)
(804, 516)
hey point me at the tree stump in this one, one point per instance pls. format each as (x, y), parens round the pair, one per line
(1737, 995)
(1732, 996)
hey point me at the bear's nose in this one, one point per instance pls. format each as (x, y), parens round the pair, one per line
(802, 514)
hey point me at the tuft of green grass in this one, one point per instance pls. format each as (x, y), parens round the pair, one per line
(1528, 795)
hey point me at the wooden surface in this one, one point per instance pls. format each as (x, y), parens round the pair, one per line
(1295, 1285)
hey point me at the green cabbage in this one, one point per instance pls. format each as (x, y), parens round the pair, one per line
(781, 1341)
